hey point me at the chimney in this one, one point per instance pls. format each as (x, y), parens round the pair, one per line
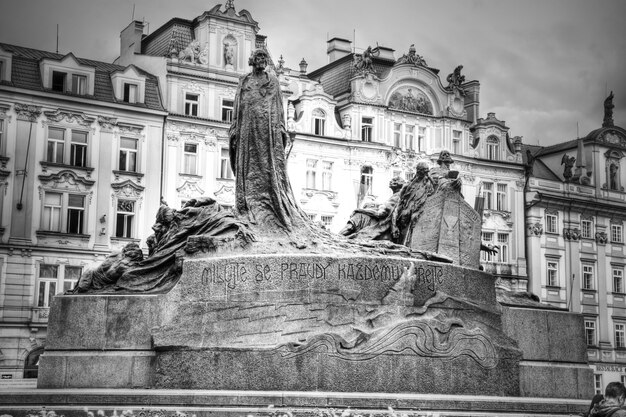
(338, 48)
(130, 38)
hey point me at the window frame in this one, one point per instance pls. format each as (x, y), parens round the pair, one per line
(367, 129)
(493, 148)
(617, 233)
(555, 223)
(128, 152)
(190, 158)
(587, 277)
(127, 231)
(65, 149)
(226, 172)
(227, 110)
(617, 275)
(488, 237)
(130, 93)
(589, 223)
(552, 273)
(590, 332)
(59, 282)
(501, 197)
(421, 138)
(488, 194)
(456, 141)
(318, 117)
(79, 84)
(191, 105)
(397, 135)
(503, 253)
(311, 173)
(327, 176)
(367, 180)
(54, 84)
(619, 335)
(64, 210)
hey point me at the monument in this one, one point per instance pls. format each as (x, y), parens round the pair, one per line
(265, 309)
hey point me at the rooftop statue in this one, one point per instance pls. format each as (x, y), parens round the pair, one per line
(363, 64)
(455, 80)
(412, 58)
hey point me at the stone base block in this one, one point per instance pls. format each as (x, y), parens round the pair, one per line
(556, 380)
(231, 369)
(92, 369)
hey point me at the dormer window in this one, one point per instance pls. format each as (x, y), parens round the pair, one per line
(493, 148)
(130, 93)
(59, 81)
(79, 84)
(319, 121)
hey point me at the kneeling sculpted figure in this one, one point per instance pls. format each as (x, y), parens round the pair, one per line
(372, 215)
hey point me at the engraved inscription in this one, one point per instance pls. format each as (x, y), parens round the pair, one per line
(431, 276)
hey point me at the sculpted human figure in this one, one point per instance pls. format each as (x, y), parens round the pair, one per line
(373, 215)
(409, 207)
(258, 140)
(442, 176)
(109, 271)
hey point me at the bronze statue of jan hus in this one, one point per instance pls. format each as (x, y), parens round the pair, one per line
(258, 140)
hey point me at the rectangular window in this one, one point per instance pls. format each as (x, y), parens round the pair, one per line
(367, 180)
(311, 168)
(225, 170)
(456, 141)
(367, 128)
(408, 176)
(493, 151)
(488, 195)
(327, 175)
(124, 218)
(409, 137)
(75, 213)
(552, 274)
(78, 149)
(501, 197)
(327, 220)
(190, 158)
(128, 154)
(421, 139)
(52, 212)
(503, 253)
(130, 93)
(590, 332)
(588, 277)
(586, 229)
(47, 284)
(312, 217)
(58, 81)
(191, 104)
(619, 336)
(397, 135)
(551, 223)
(56, 145)
(79, 84)
(319, 122)
(618, 280)
(617, 233)
(487, 238)
(227, 110)
(597, 381)
(72, 275)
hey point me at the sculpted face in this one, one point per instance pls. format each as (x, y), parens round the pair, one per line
(259, 59)
(445, 157)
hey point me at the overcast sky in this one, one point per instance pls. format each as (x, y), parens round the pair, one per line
(543, 66)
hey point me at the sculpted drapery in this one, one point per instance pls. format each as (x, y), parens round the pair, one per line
(258, 139)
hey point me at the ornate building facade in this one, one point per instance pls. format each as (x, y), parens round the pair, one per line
(77, 140)
(575, 214)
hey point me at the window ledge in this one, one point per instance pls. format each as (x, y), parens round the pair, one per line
(617, 243)
(130, 173)
(63, 235)
(619, 294)
(553, 287)
(190, 175)
(223, 179)
(46, 165)
(125, 239)
(589, 290)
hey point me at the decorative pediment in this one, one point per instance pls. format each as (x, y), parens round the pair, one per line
(410, 99)
(69, 116)
(107, 123)
(226, 195)
(189, 189)
(66, 180)
(614, 154)
(127, 188)
(613, 137)
(27, 112)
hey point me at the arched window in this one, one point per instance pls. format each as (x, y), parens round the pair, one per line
(31, 364)
(319, 122)
(493, 148)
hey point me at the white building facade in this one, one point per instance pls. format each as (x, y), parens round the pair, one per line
(77, 138)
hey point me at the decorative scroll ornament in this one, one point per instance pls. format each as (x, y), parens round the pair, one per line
(189, 189)
(70, 117)
(27, 112)
(571, 234)
(408, 101)
(66, 179)
(412, 58)
(127, 189)
(107, 123)
(535, 229)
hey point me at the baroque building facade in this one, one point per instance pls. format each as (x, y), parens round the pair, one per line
(77, 138)
(356, 123)
(576, 209)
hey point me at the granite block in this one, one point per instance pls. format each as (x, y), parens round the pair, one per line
(567, 337)
(52, 371)
(77, 322)
(128, 322)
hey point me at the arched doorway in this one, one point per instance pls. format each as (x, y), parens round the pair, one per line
(31, 364)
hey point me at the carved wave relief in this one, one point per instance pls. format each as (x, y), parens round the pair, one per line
(425, 338)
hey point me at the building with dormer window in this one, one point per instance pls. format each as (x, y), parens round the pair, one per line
(74, 181)
(575, 219)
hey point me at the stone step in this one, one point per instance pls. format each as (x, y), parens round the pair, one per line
(17, 402)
